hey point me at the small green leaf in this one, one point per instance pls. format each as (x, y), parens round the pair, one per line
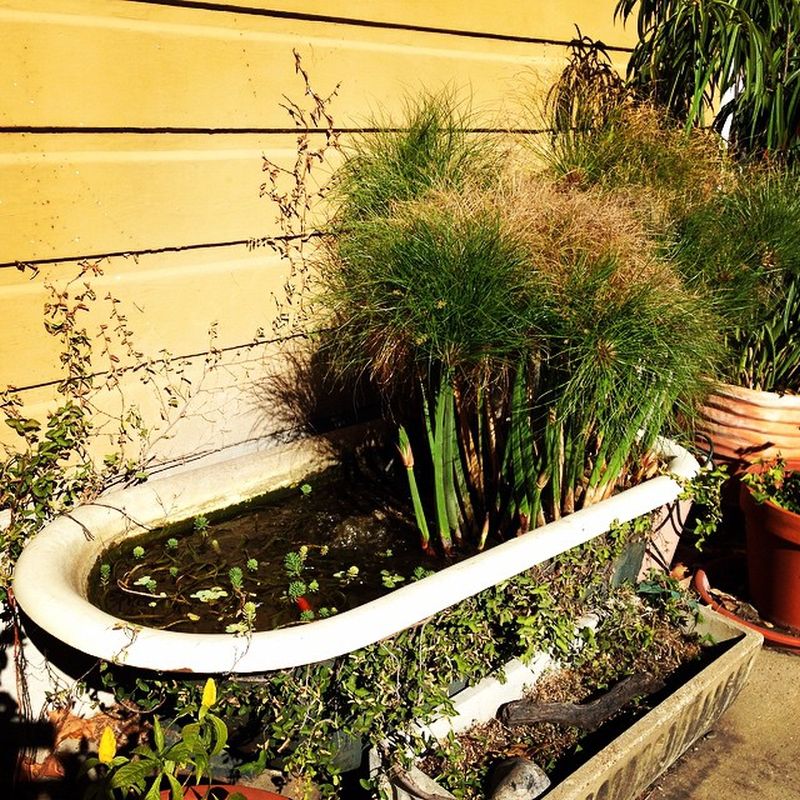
(175, 787)
(132, 774)
(180, 753)
(191, 734)
(153, 792)
(220, 734)
(158, 735)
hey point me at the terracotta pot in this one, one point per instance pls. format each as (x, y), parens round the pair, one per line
(220, 791)
(745, 425)
(773, 556)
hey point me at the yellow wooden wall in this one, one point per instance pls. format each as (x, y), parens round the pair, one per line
(131, 135)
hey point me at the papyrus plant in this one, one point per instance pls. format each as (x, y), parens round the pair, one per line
(534, 333)
(741, 248)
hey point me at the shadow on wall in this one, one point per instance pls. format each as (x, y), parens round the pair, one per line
(20, 738)
(306, 396)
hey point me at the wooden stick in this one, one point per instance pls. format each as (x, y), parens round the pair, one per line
(587, 716)
(405, 781)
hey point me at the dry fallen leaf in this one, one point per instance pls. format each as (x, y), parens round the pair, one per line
(679, 571)
(51, 767)
(67, 725)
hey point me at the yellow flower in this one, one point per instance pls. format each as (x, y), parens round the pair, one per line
(209, 693)
(108, 746)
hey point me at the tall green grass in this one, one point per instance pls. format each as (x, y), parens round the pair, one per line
(638, 153)
(732, 229)
(430, 147)
(542, 341)
(742, 250)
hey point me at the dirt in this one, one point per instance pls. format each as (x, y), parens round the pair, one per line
(559, 749)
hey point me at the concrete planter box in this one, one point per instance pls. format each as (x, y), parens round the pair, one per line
(635, 759)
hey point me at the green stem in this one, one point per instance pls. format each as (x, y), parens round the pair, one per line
(444, 397)
(449, 453)
(407, 455)
(553, 460)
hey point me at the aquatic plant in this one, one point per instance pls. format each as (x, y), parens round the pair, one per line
(540, 335)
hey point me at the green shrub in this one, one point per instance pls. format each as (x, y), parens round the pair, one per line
(742, 251)
(690, 55)
(544, 340)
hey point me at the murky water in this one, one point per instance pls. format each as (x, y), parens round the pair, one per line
(352, 542)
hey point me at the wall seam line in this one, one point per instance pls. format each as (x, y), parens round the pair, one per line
(205, 5)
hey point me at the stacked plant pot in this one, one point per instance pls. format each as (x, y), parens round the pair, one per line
(773, 555)
(745, 425)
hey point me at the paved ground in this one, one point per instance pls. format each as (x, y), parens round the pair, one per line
(754, 750)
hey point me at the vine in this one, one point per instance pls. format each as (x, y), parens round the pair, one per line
(85, 444)
(91, 439)
(705, 492)
(298, 718)
(296, 193)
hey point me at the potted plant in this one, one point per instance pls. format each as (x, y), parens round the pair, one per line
(753, 279)
(770, 500)
(182, 766)
(532, 341)
(533, 337)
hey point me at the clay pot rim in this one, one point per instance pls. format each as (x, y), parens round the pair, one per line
(757, 397)
(248, 791)
(792, 465)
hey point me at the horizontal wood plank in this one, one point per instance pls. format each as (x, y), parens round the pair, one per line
(185, 68)
(171, 302)
(75, 195)
(139, 127)
(553, 19)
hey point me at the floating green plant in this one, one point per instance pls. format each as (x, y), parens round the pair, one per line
(209, 595)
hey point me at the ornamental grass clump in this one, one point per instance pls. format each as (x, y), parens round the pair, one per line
(732, 229)
(742, 250)
(438, 281)
(627, 340)
(434, 148)
(433, 300)
(536, 334)
(642, 155)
